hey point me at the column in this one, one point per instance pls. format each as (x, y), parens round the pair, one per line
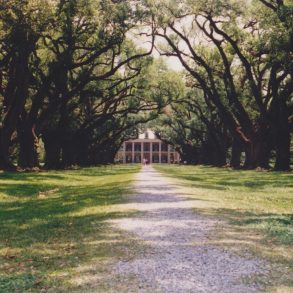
(169, 158)
(151, 152)
(124, 152)
(132, 152)
(160, 152)
(141, 152)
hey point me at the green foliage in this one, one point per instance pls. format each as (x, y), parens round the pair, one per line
(88, 80)
(85, 78)
(239, 54)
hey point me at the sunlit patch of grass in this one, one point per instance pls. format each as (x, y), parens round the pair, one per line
(54, 223)
(258, 207)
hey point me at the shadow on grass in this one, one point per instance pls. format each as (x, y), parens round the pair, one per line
(13, 215)
(266, 234)
(29, 184)
(54, 250)
(43, 240)
(276, 227)
(222, 179)
(256, 205)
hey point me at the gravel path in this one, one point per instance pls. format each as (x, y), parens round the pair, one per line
(178, 258)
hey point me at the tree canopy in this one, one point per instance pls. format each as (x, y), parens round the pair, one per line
(75, 83)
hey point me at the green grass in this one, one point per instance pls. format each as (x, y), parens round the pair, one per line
(258, 207)
(53, 234)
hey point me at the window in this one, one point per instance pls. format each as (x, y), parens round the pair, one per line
(155, 147)
(137, 159)
(146, 147)
(146, 135)
(137, 147)
(164, 147)
(129, 147)
(155, 158)
(164, 159)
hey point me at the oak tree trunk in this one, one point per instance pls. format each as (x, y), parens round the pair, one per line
(236, 154)
(52, 147)
(28, 143)
(283, 141)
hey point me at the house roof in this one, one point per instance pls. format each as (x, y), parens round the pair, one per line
(148, 134)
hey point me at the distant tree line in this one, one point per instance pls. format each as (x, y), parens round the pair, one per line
(237, 57)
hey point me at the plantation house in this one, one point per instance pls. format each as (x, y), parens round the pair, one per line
(147, 148)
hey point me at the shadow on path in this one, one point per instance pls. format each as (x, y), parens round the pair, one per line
(179, 258)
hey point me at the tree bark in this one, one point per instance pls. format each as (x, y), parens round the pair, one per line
(28, 142)
(52, 150)
(69, 154)
(256, 155)
(282, 142)
(15, 96)
(236, 154)
(5, 162)
(189, 154)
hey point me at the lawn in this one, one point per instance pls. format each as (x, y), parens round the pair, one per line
(257, 208)
(54, 235)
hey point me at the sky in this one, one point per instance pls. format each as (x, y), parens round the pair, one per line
(144, 42)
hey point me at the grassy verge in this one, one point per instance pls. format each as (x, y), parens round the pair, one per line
(54, 236)
(258, 207)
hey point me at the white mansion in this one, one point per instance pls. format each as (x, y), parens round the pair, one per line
(147, 148)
